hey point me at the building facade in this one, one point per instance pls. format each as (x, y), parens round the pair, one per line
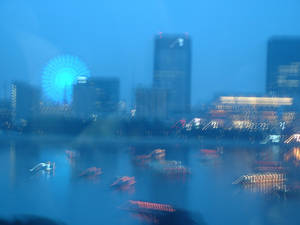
(283, 67)
(25, 102)
(253, 112)
(172, 71)
(151, 103)
(96, 97)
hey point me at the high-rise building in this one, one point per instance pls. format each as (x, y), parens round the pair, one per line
(107, 94)
(5, 113)
(83, 99)
(25, 100)
(172, 70)
(283, 66)
(96, 97)
(151, 103)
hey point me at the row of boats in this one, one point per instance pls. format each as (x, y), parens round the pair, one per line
(156, 161)
(123, 183)
(151, 212)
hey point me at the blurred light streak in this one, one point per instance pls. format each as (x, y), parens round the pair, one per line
(256, 100)
(294, 137)
(260, 178)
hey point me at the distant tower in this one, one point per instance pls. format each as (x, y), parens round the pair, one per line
(283, 66)
(172, 70)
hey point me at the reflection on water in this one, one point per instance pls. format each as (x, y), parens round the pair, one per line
(293, 155)
(90, 183)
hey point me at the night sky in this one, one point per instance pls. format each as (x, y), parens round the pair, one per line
(116, 37)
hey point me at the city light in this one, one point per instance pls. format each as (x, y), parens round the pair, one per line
(293, 138)
(59, 76)
(260, 178)
(256, 101)
(293, 154)
(152, 206)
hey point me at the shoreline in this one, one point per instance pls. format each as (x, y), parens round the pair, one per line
(90, 140)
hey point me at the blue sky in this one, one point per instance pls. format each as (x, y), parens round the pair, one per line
(115, 38)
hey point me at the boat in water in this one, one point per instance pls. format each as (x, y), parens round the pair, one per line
(157, 154)
(261, 178)
(123, 183)
(158, 213)
(47, 166)
(91, 172)
(171, 167)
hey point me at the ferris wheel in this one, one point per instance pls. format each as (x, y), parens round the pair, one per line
(59, 76)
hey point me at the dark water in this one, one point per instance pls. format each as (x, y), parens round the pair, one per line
(208, 193)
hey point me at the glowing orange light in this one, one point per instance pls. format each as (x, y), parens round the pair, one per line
(295, 153)
(153, 206)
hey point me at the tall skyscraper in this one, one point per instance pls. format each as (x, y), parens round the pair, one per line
(283, 66)
(96, 96)
(172, 70)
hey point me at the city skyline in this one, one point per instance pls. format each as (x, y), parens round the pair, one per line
(227, 41)
(179, 63)
(276, 45)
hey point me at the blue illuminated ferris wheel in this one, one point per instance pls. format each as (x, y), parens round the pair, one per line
(59, 76)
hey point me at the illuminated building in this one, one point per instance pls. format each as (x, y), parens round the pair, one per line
(252, 112)
(172, 71)
(95, 97)
(151, 103)
(25, 100)
(256, 101)
(283, 66)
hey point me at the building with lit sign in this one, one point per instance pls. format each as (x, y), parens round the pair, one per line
(254, 112)
(172, 70)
